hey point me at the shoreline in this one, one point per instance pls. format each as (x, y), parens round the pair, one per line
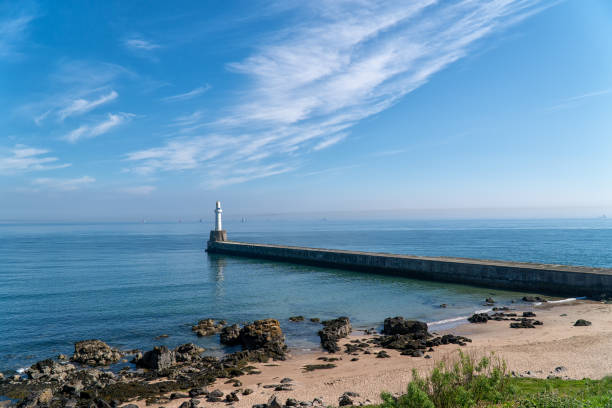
(555, 349)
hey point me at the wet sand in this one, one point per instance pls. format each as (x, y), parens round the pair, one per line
(579, 351)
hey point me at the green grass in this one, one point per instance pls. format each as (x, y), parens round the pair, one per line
(467, 383)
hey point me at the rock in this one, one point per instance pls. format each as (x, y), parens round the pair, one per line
(159, 358)
(196, 392)
(273, 402)
(315, 319)
(525, 324)
(286, 380)
(95, 353)
(334, 330)
(162, 336)
(489, 300)
(264, 335)
(185, 404)
(382, 354)
(62, 357)
(533, 299)
(291, 402)
(216, 394)
(247, 391)
(399, 325)
(230, 335)
(50, 370)
(560, 369)
(529, 314)
(232, 397)
(345, 400)
(354, 359)
(189, 352)
(296, 318)
(207, 327)
(582, 322)
(479, 318)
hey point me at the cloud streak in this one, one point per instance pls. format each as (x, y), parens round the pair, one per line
(140, 44)
(100, 128)
(310, 82)
(187, 95)
(12, 32)
(63, 184)
(24, 159)
(81, 106)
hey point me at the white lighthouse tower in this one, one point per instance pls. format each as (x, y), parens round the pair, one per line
(218, 211)
(218, 234)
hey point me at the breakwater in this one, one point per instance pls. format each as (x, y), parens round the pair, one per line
(541, 278)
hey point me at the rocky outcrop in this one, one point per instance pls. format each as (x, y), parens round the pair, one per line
(399, 325)
(49, 370)
(582, 322)
(265, 335)
(230, 335)
(159, 358)
(334, 330)
(95, 353)
(208, 327)
(186, 353)
(479, 318)
(525, 323)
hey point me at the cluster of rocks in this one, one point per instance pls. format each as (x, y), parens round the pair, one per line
(334, 330)
(85, 382)
(523, 322)
(412, 338)
(95, 353)
(208, 327)
(273, 402)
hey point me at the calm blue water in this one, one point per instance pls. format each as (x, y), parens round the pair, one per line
(128, 283)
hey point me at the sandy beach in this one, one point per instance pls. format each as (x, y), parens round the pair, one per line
(556, 348)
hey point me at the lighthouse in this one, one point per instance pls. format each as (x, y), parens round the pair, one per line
(218, 234)
(218, 212)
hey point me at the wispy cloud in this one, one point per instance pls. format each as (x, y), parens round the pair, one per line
(76, 88)
(22, 158)
(309, 83)
(91, 131)
(81, 106)
(138, 190)
(12, 33)
(181, 154)
(136, 43)
(63, 184)
(330, 141)
(577, 100)
(187, 95)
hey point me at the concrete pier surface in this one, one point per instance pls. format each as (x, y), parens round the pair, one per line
(559, 280)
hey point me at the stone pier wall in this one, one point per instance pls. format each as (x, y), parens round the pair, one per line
(551, 279)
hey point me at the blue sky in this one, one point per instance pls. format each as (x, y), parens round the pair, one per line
(123, 110)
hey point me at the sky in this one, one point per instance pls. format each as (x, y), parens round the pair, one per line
(114, 110)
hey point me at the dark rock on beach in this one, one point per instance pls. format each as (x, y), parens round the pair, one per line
(399, 325)
(296, 318)
(479, 318)
(95, 353)
(265, 335)
(230, 335)
(525, 323)
(334, 330)
(582, 322)
(208, 327)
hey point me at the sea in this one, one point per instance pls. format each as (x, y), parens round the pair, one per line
(129, 283)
